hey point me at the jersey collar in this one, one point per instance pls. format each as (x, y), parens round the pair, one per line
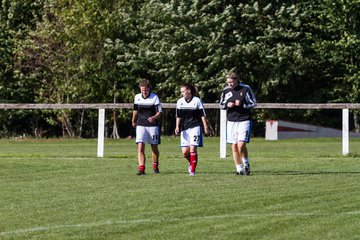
(189, 99)
(147, 96)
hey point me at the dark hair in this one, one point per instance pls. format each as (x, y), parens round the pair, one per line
(191, 87)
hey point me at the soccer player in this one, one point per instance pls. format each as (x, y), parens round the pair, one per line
(147, 110)
(190, 115)
(238, 99)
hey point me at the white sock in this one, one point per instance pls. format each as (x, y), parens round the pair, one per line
(245, 162)
(239, 168)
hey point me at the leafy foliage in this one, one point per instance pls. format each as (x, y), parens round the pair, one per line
(61, 51)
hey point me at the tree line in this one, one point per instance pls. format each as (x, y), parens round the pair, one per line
(66, 51)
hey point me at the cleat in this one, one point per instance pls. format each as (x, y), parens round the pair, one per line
(247, 169)
(156, 171)
(239, 173)
(140, 173)
(189, 169)
(191, 174)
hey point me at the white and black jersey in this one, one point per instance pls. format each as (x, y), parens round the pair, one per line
(247, 98)
(146, 107)
(190, 112)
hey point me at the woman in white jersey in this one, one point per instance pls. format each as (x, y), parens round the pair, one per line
(190, 115)
(147, 110)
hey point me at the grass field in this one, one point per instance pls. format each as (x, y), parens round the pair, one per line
(59, 189)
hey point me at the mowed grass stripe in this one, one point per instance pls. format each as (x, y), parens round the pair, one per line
(154, 220)
(60, 190)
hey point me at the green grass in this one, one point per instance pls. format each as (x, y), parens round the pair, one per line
(59, 189)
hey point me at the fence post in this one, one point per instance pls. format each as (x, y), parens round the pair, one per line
(222, 133)
(101, 127)
(345, 132)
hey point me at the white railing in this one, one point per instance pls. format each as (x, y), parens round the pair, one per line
(102, 106)
(345, 119)
(173, 105)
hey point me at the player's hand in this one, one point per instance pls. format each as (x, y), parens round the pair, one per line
(151, 119)
(237, 103)
(230, 104)
(206, 131)
(177, 131)
(133, 124)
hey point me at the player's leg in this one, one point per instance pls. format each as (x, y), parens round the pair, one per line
(237, 158)
(154, 140)
(141, 139)
(141, 158)
(185, 146)
(243, 150)
(196, 141)
(193, 159)
(244, 130)
(155, 157)
(244, 156)
(186, 153)
(232, 137)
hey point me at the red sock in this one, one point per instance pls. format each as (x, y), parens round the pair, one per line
(155, 165)
(187, 156)
(142, 168)
(193, 161)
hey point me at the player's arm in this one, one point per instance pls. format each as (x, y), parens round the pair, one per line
(178, 121)
(158, 109)
(204, 121)
(203, 117)
(135, 114)
(153, 118)
(227, 100)
(177, 126)
(250, 100)
(157, 114)
(134, 117)
(223, 101)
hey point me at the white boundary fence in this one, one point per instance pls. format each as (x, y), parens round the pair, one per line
(102, 106)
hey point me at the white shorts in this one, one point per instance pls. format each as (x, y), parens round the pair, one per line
(150, 135)
(191, 137)
(238, 131)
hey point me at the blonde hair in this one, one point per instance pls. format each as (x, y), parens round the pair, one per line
(232, 75)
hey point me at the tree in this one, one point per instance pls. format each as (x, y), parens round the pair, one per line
(336, 30)
(17, 18)
(68, 57)
(62, 51)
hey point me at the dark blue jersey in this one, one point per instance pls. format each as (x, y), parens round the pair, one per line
(247, 99)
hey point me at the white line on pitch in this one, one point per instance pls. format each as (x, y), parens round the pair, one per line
(109, 222)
